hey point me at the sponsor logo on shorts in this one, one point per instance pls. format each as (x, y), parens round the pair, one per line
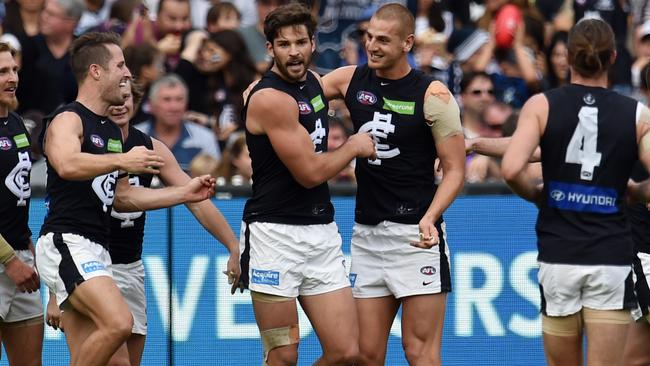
(262, 277)
(425, 283)
(5, 143)
(353, 278)
(582, 198)
(304, 108)
(428, 270)
(366, 97)
(93, 266)
(97, 140)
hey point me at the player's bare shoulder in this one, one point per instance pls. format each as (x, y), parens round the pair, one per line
(335, 84)
(270, 108)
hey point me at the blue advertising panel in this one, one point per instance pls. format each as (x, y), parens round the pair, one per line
(492, 314)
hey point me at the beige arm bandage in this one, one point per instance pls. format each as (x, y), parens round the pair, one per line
(441, 112)
(6, 251)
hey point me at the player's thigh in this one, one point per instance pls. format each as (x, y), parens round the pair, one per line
(376, 316)
(637, 349)
(333, 317)
(422, 319)
(606, 335)
(23, 343)
(99, 299)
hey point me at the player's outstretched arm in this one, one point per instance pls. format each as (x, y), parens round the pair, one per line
(641, 190)
(131, 199)
(522, 145)
(275, 114)
(495, 147)
(443, 116)
(335, 84)
(63, 150)
(205, 211)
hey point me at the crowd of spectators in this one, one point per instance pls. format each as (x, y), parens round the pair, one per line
(195, 57)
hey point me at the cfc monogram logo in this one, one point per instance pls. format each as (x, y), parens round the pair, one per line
(380, 127)
(104, 187)
(17, 181)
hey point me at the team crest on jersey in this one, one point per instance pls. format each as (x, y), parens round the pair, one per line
(366, 97)
(97, 141)
(5, 143)
(589, 99)
(304, 108)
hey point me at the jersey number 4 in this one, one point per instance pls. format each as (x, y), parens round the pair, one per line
(582, 147)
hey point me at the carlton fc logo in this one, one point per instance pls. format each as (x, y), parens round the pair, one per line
(589, 99)
(304, 108)
(367, 98)
(5, 143)
(97, 141)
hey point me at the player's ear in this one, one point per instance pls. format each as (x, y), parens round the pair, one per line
(269, 49)
(407, 45)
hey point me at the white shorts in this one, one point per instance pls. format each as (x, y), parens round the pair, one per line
(384, 263)
(566, 288)
(129, 278)
(293, 260)
(66, 260)
(641, 279)
(17, 306)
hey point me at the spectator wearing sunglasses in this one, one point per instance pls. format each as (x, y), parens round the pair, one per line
(476, 96)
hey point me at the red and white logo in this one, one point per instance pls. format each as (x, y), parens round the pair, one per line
(428, 270)
(304, 108)
(5, 143)
(366, 97)
(97, 141)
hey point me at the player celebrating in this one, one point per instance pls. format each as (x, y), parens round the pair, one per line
(590, 139)
(414, 121)
(291, 245)
(21, 311)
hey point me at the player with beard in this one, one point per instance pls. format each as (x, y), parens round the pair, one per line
(21, 311)
(290, 243)
(590, 139)
(414, 120)
(83, 148)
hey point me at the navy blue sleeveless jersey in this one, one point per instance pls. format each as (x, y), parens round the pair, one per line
(15, 190)
(399, 186)
(277, 196)
(127, 229)
(83, 207)
(588, 151)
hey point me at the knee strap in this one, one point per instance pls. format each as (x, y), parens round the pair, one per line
(562, 326)
(621, 317)
(278, 337)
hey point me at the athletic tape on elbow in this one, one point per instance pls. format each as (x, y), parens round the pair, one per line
(6, 251)
(441, 113)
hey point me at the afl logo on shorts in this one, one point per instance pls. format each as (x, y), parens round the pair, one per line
(304, 108)
(97, 141)
(557, 195)
(367, 98)
(5, 143)
(428, 270)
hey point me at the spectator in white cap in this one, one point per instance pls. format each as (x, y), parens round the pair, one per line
(471, 51)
